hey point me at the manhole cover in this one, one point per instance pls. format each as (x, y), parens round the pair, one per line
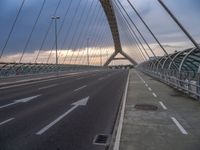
(146, 107)
(101, 139)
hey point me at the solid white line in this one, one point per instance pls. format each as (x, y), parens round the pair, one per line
(8, 120)
(119, 130)
(55, 121)
(12, 86)
(80, 88)
(40, 78)
(154, 94)
(149, 89)
(48, 86)
(163, 106)
(179, 125)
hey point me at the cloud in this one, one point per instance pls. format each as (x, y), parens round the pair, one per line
(96, 27)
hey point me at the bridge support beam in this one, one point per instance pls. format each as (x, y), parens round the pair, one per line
(126, 57)
(108, 9)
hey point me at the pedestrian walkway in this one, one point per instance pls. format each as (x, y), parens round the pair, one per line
(168, 120)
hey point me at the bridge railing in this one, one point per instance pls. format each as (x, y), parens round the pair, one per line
(16, 69)
(183, 81)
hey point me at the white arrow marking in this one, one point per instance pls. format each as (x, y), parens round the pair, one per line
(82, 102)
(24, 100)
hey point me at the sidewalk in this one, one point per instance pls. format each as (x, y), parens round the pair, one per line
(174, 125)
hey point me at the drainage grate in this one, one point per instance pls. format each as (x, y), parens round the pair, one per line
(146, 107)
(101, 139)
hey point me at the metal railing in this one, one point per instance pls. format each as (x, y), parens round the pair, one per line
(16, 69)
(185, 81)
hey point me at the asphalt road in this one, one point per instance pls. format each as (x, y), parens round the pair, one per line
(63, 113)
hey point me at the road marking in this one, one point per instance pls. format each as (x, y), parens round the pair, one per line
(163, 106)
(140, 76)
(146, 85)
(82, 102)
(6, 121)
(46, 87)
(149, 89)
(119, 130)
(80, 88)
(12, 86)
(101, 78)
(35, 82)
(154, 94)
(41, 78)
(179, 125)
(24, 100)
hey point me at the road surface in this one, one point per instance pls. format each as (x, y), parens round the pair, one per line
(63, 113)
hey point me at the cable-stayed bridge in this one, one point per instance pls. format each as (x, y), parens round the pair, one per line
(66, 80)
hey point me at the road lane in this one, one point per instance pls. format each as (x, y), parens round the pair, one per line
(98, 116)
(65, 87)
(26, 90)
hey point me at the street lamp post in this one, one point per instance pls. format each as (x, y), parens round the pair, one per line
(88, 60)
(100, 57)
(56, 38)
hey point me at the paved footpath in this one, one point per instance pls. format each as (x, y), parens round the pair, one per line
(175, 125)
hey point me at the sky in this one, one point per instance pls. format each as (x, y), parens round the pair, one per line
(83, 25)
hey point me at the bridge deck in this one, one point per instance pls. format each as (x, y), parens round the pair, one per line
(174, 127)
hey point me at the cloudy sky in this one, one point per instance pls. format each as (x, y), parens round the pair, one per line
(83, 23)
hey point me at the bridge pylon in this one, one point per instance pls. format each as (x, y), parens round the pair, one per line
(125, 57)
(110, 14)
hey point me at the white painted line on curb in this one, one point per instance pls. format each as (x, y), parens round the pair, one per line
(119, 130)
(6, 121)
(154, 94)
(183, 131)
(80, 88)
(46, 87)
(163, 106)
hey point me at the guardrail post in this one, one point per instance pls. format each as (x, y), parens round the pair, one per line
(189, 84)
(198, 86)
